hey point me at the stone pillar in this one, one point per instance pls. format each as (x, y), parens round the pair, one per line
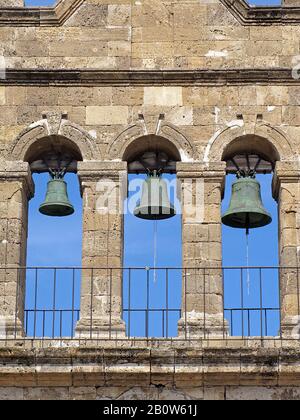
(12, 3)
(102, 260)
(16, 188)
(290, 3)
(202, 307)
(286, 190)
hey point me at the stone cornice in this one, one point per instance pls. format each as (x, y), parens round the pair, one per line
(201, 77)
(285, 173)
(250, 15)
(17, 171)
(212, 172)
(56, 16)
(39, 16)
(189, 366)
(95, 170)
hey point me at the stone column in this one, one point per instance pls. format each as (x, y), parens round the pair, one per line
(101, 292)
(290, 3)
(286, 190)
(16, 188)
(12, 3)
(201, 196)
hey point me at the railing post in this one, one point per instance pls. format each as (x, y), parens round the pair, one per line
(201, 196)
(16, 188)
(286, 190)
(101, 293)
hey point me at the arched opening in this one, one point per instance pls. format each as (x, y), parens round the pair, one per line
(251, 293)
(150, 296)
(53, 289)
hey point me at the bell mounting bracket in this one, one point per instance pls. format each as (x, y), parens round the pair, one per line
(61, 168)
(245, 165)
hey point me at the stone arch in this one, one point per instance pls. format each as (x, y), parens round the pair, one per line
(165, 130)
(265, 137)
(58, 128)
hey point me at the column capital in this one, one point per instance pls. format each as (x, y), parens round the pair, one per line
(17, 171)
(285, 173)
(212, 172)
(12, 3)
(95, 170)
(290, 3)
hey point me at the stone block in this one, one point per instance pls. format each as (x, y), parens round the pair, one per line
(163, 96)
(12, 3)
(107, 115)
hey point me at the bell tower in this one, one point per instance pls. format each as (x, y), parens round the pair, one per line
(185, 96)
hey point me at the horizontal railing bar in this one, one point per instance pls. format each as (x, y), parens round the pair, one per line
(162, 339)
(45, 320)
(52, 310)
(252, 309)
(151, 310)
(154, 268)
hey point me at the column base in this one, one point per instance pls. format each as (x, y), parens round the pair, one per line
(199, 325)
(290, 327)
(11, 328)
(104, 328)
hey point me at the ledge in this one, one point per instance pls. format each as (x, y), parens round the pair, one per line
(39, 16)
(253, 16)
(57, 16)
(101, 366)
(201, 77)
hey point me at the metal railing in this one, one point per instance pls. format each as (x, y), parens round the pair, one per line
(160, 303)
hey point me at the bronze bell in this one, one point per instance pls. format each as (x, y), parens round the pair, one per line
(246, 210)
(57, 203)
(155, 203)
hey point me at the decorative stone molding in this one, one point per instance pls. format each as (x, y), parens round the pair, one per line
(97, 169)
(12, 3)
(214, 171)
(57, 15)
(250, 15)
(10, 15)
(191, 365)
(217, 145)
(166, 130)
(201, 77)
(16, 171)
(53, 124)
(285, 173)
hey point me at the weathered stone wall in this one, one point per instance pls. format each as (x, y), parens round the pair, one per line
(152, 371)
(150, 34)
(100, 74)
(198, 112)
(220, 393)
